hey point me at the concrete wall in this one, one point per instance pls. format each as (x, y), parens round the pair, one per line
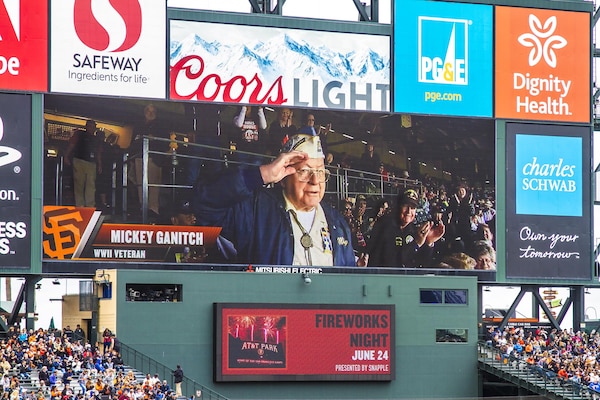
(182, 332)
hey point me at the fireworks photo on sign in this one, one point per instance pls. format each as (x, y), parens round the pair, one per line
(257, 341)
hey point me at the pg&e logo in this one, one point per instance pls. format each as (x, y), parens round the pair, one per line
(93, 19)
(8, 155)
(549, 175)
(443, 48)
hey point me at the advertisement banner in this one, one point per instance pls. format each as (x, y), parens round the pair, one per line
(104, 48)
(15, 180)
(277, 66)
(77, 233)
(304, 342)
(24, 45)
(548, 211)
(542, 64)
(443, 59)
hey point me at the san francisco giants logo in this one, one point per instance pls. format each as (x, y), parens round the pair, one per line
(61, 231)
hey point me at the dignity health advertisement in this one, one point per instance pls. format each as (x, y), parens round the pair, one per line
(108, 47)
(277, 66)
(548, 215)
(304, 342)
(542, 64)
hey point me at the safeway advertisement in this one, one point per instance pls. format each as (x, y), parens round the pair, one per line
(24, 45)
(109, 47)
(542, 64)
(15, 180)
(78, 233)
(277, 66)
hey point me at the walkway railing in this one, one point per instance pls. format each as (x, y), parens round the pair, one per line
(148, 365)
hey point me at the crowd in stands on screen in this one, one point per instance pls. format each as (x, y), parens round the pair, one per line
(48, 365)
(467, 243)
(567, 357)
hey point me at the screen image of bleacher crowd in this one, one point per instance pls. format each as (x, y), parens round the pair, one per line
(148, 179)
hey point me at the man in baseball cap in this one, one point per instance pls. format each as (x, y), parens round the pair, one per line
(396, 241)
(286, 223)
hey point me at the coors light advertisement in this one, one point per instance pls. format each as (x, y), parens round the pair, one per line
(276, 66)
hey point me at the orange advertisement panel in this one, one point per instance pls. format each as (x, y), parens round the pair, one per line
(542, 64)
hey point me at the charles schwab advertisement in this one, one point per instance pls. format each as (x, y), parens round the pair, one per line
(548, 211)
(15, 180)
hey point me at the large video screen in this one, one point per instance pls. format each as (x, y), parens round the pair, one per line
(139, 182)
(304, 342)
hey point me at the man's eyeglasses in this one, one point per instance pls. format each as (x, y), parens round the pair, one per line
(305, 174)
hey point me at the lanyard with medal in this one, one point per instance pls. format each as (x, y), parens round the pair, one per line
(305, 239)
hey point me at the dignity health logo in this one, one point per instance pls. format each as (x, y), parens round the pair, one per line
(543, 32)
(443, 50)
(93, 17)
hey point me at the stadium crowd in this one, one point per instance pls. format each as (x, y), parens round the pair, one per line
(571, 359)
(59, 365)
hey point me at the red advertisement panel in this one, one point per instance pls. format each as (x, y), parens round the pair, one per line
(262, 342)
(24, 45)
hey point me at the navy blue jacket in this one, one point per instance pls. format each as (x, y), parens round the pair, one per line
(255, 220)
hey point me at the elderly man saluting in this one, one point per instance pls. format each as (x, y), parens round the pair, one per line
(283, 225)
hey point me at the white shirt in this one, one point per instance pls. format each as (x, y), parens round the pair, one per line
(315, 224)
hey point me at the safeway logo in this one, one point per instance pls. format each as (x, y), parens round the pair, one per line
(542, 41)
(93, 18)
(8, 155)
(10, 23)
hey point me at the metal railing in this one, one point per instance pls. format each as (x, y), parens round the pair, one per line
(148, 365)
(344, 182)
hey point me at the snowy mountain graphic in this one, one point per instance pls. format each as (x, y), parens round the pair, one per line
(282, 55)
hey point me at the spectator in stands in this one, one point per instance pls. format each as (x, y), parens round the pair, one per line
(461, 207)
(281, 130)
(5, 366)
(249, 136)
(106, 340)
(153, 127)
(484, 233)
(484, 255)
(370, 161)
(309, 125)
(85, 149)
(178, 379)
(53, 379)
(24, 370)
(43, 375)
(78, 334)
(397, 242)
